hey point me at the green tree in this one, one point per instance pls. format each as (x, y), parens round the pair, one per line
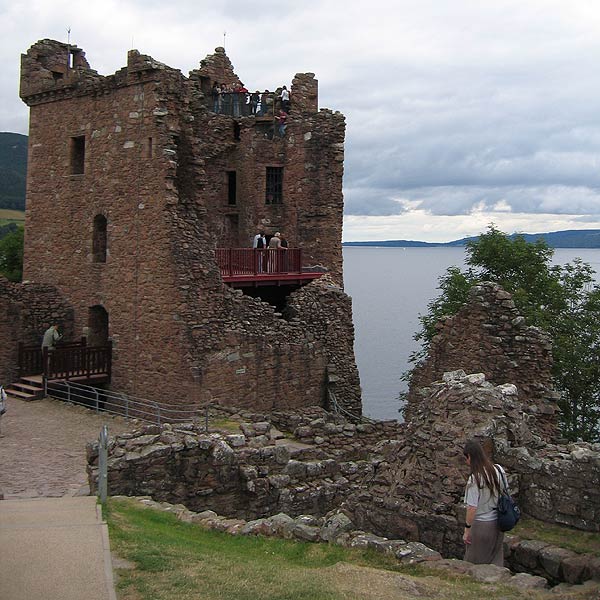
(11, 255)
(562, 300)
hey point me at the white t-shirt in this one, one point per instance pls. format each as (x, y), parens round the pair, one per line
(482, 499)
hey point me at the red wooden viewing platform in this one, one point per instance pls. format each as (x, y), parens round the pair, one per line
(265, 266)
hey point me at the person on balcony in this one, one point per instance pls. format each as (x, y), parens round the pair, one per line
(239, 98)
(259, 243)
(281, 119)
(284, 259)
(273, 254)
(51, 336)
(255, 106)
(216, 96)
(285, 100)
(266, 102)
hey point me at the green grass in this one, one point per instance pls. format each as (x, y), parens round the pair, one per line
(184, 561)
(557, 535)
(11, 216)
(224, 424)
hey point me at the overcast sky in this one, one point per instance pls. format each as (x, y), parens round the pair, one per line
(459, 112)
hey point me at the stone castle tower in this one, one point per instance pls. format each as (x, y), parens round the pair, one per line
(135, 179)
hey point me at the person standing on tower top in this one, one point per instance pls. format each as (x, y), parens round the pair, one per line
(285, 100)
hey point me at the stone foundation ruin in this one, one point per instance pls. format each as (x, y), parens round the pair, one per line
(396, 481)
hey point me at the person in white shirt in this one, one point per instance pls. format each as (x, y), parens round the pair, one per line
(285, 100)
(482, 536)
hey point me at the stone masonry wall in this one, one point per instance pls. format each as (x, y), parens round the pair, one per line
(558, 484)
(232, 474)
(488, 335)
(26, 311)
(416, 490)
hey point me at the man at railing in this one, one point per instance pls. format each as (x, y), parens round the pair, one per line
(51, 336)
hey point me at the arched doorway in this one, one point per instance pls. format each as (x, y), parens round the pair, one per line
(97, 326)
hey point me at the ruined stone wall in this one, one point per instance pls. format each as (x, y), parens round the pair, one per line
(232, 474)
(26, 311)
(155, 162)
(416, 491)
(123, 179)
(558, 484)
(488, 335)
(311, 155)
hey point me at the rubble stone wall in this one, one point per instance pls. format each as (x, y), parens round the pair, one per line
(238, 476)
(488, 335)
(558, 484)
(26, 311)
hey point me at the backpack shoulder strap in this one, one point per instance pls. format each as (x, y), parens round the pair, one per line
(502, 478)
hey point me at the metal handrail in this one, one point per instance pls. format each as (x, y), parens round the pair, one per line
(246, 104)
(339, 409)
(124, 405)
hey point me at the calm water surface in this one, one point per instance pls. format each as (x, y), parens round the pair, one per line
(390, 288)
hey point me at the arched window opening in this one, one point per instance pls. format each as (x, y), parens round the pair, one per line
(97, 326)
(99, 240)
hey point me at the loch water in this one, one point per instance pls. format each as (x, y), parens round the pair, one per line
(390, 288)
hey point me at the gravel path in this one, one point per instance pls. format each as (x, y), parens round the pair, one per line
(42, 447)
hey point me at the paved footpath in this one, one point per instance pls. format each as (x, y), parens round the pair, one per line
(53, 546)
(42, 451)
(54, 549)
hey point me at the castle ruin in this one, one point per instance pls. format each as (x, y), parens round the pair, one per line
(139, 186)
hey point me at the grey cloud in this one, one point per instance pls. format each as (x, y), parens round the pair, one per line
(372, 202)
(457, 106)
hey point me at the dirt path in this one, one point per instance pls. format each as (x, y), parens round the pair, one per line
(42, 448)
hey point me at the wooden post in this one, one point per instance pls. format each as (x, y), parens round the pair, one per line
(20, 359)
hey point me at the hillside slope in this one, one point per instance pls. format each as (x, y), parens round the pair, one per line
(13, 170)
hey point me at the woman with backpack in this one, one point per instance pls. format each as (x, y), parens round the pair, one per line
(482, 536)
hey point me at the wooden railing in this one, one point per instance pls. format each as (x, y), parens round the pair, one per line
(67, 360)
(30, 360)
(254, 261)
(77, 361)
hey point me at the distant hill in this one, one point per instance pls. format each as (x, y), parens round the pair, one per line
(13, 170)
(572, 238)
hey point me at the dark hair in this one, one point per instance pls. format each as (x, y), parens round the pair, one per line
(482, 468)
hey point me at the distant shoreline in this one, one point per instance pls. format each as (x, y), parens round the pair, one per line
(573, 238)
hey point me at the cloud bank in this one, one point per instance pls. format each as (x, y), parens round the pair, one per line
(457, 113)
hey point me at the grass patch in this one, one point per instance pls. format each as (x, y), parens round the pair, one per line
(180, 560)
(224, 424)
(564, 537)
(11, 216)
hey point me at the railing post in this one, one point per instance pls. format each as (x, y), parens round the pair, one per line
(109, 359)
(45, 368)
(230, 261)
(97, 401)
(68, 391)
(20, 358)
(103, 464)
